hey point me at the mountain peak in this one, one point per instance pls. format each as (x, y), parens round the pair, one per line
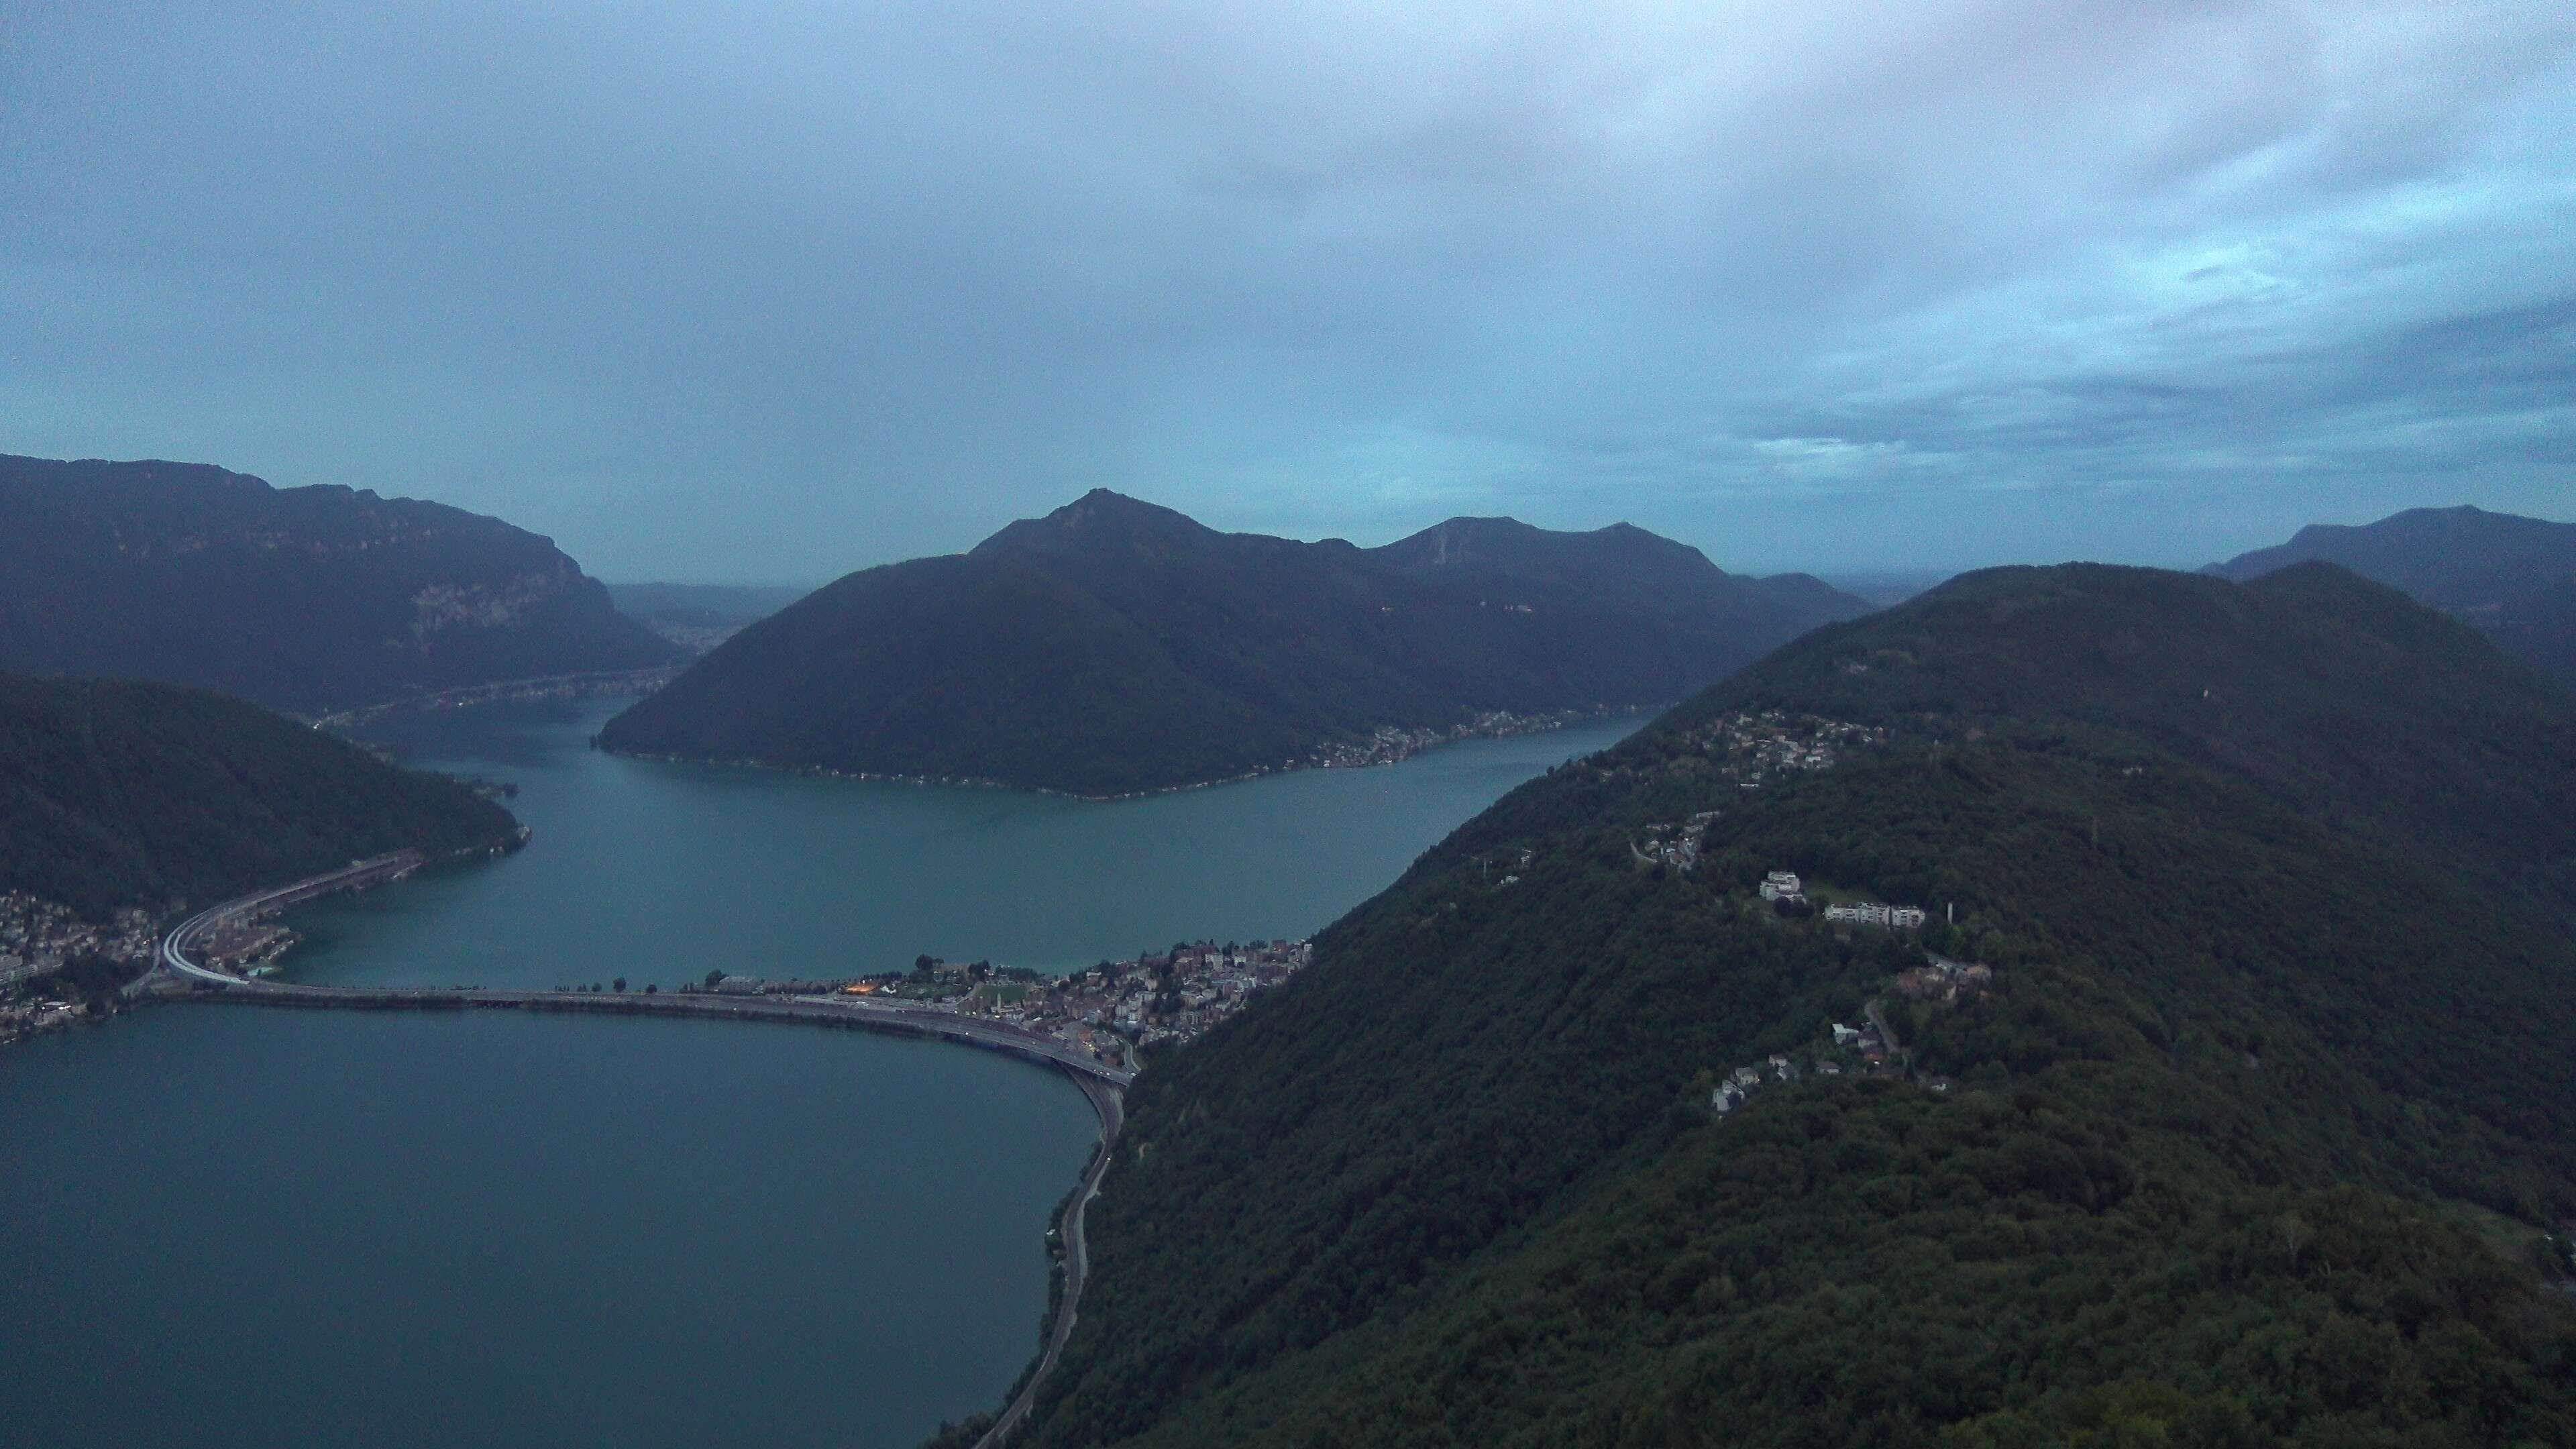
(1101, 518)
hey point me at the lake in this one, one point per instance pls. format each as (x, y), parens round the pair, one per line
(234, 1226)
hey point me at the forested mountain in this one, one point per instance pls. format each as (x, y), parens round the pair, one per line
(117, 794)
(1115, 646)
(2513, 577)
(2249, 1138)
(302, 599)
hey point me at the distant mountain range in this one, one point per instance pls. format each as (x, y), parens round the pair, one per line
(2254, 1121)
(2512, 577)
(698, 617)
(120, 794)
(1115, 646)
(301, 599)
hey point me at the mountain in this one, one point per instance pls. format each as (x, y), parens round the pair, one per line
(2513, 577)
(116, 794)
(1114, 646)
(301, 599)
(2250, 1128)
(698, 617)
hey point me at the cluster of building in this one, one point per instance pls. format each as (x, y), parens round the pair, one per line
(1675, 843)
(1862, 1050)
(1750, 745)
(1387, 745)
(1876, 913)
(1107, 1010)
(1943, 980)
(1869, 1049)
(23, 1017)
(1174, 996)
(37, 937)
(1782, 887)
(245, 944)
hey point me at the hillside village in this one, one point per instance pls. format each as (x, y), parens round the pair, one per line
(1869, 1049)
(1751, 746)
(1745, 749)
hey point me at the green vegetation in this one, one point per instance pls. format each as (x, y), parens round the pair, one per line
(115, 795)
(1114, 647)
(304, 599)
(2252, 1142)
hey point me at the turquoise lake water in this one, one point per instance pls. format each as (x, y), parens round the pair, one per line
(233, 1226)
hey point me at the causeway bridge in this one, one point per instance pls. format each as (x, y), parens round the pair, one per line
(1103, 1085)
(178, 958)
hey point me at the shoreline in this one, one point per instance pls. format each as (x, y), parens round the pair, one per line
(1561, 720)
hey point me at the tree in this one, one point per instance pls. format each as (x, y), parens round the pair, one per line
(713, 976)
(620, 983)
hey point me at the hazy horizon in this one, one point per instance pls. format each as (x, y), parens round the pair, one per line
(775, 292)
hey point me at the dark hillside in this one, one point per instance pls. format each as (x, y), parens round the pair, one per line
(2457, 559)
(115, 795)
(303, 599)
(1115, 646)
(2337, 694)
(2513, 577)
(2249, 1139)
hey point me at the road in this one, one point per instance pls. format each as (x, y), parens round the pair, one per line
(1111, 1105)
(176, 945)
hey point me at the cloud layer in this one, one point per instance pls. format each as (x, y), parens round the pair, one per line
(769, 291)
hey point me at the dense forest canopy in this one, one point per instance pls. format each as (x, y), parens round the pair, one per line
(2256, 1133)
(116, 795)
(1114, 646)
(302, 599)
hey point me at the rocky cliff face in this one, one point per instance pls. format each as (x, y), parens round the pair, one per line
(303, 599)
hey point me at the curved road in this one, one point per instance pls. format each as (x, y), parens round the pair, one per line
(1111, 1105)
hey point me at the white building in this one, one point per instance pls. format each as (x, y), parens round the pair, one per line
(1780, 884)
(1876, 913)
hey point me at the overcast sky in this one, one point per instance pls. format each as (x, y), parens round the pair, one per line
(766, 292)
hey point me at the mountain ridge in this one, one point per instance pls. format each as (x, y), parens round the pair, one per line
(301, 599)
(1113, 646)
(2513, 577)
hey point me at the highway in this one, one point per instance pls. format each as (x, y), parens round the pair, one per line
(176, 945)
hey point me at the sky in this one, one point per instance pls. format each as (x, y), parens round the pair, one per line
(765, 292)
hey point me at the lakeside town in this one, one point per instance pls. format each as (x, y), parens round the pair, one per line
(1113, 1010)
(40, 941)
(1388, 745)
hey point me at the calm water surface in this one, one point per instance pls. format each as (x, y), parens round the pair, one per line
(245, 1227)
(660, 872)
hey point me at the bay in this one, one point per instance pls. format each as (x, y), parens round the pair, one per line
(234, 1226)
(238, 1226)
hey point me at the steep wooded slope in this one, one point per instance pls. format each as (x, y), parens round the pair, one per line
(115, 795)
(1116, 646)
(2250, 1142)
